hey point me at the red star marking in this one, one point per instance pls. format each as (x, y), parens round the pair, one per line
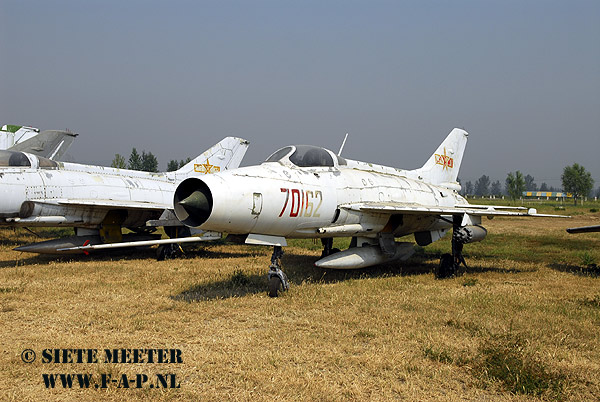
(444, 160)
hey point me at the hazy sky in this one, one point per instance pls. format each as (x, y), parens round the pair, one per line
(174, 77)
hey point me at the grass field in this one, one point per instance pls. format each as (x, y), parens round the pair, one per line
(521, 323)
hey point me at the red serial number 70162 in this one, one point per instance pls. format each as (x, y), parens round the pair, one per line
(302, 202)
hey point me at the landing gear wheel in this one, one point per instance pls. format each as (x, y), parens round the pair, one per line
(450, 263)
(275, 286)
(446, 268)
(277, 279)
(161, 253)
(166, 251)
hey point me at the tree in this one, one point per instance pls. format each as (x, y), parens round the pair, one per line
(515, 184)
(544, 187)
(577, 181)
(468, 188)
(119, 162)
(482, 185)
(135, 161)
(530, 183)
(496, 189)
(172, 166)
(149, 162)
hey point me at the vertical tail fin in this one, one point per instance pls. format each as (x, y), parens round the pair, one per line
(442, 167)
(227, 154)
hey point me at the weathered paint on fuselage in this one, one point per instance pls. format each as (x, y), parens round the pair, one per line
(29, 195)
(280, 200)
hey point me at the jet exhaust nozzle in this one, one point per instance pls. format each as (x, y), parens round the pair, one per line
(192, 202)
(469, 234)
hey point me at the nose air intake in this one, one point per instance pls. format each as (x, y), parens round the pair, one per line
(193, 202)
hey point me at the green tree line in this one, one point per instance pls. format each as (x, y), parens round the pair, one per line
(146, 162)
(575, 180)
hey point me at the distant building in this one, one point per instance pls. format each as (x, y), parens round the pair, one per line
(547, 194)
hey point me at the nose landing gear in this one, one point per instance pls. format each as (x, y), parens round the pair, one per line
(277, 279)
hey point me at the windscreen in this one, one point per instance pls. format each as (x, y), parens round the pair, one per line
(311, 156)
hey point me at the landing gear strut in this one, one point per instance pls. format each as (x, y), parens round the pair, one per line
(277, 279)
(173, 250)
(328, 247)
(168, 251)
(450, 263)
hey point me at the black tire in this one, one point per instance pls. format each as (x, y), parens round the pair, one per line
(166, 252)
(161, 253)
(446, 267)
(274, 286)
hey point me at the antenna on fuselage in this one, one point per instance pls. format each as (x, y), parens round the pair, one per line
(343, 143)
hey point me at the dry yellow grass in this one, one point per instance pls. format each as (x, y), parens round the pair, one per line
(391, 332)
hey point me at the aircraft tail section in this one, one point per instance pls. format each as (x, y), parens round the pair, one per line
(227, 154)
(51, 144)
(442, 167)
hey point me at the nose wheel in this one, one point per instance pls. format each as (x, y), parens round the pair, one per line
(277, 279)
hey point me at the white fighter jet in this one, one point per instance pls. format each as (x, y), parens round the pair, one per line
(310, 192)
(99, 201)
(51, 144)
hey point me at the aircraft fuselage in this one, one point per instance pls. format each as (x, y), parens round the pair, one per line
(278, 200)
(69, 194)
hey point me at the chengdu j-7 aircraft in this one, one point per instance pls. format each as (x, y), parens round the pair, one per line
(99, 201)
(51, 144)
(310, 192)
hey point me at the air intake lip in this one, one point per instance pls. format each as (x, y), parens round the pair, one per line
(193, 202)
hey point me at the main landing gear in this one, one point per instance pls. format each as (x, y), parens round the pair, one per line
(328, 247)
(172, 250)
(168, 251)
(277, 279)
(450, 263)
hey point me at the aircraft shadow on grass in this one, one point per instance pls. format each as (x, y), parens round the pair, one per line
(590, 270)
(301, 269)
(113, 255)
(43, 259)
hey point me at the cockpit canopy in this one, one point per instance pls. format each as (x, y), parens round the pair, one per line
(306, 156)
(19, 159)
